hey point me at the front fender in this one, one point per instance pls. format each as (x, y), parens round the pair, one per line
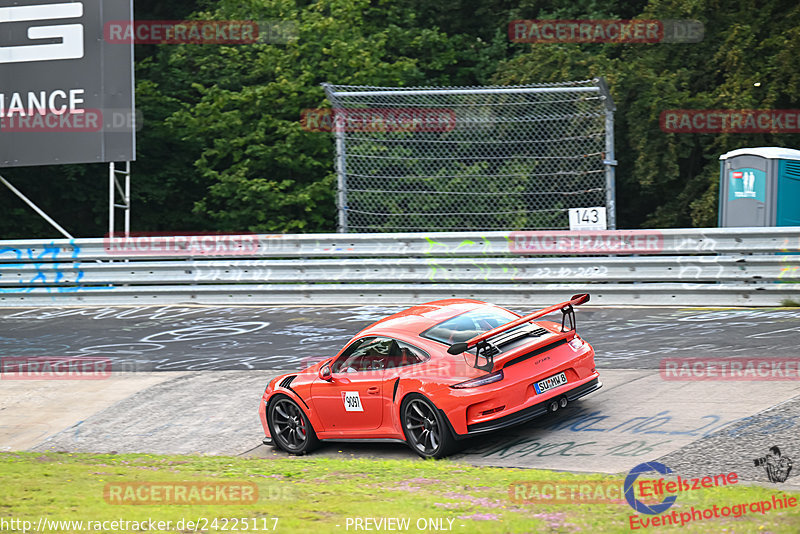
(271, 394)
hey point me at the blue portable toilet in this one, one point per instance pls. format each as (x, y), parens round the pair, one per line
(760, 187)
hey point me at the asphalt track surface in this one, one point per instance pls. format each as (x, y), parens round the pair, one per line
(192, 377)
(198, 338)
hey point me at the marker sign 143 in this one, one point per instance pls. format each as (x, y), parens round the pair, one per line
(587, 219)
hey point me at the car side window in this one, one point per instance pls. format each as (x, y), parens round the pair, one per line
(405, 354)
(366, 354)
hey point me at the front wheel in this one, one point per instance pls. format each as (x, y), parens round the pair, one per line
(289, 426)
(425, 428)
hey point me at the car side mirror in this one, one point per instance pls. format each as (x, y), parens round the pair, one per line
(325, 372)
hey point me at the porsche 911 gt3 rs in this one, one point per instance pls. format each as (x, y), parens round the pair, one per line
(433, 375)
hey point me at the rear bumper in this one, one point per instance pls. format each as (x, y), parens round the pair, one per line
(531, 412)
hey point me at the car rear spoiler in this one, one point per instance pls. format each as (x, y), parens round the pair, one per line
(566, 308)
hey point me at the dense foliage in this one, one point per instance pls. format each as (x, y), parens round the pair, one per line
(223, 149)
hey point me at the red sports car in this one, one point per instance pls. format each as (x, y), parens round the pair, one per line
(433, 375)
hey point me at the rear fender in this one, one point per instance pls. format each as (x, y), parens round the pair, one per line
(410, 387)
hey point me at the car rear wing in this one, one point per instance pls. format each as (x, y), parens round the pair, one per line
(566, 308)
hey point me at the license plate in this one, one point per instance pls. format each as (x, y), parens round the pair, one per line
(549, 383)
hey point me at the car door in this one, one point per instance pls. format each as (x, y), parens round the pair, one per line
(352, 400)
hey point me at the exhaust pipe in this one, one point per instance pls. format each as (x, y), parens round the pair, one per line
(563, 402)
(553, 406)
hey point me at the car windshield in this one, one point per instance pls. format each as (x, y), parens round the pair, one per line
(468, 325)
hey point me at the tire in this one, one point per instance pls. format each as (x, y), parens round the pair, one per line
(425, 429)
(290, 428)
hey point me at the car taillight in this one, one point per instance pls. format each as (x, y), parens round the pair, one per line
(482, 381)
(577, 343)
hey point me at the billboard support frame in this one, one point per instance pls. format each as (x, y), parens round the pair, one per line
(35, 208)
(114, 187)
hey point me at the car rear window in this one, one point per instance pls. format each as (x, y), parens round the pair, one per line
(468, 325)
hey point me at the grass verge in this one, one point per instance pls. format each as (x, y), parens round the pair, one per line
(321, 495)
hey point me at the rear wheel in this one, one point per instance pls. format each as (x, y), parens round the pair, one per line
(425, 429)
(289, 426)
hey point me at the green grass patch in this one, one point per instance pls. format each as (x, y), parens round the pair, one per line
(314, 495)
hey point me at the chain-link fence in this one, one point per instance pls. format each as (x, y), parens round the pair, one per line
(472, 158)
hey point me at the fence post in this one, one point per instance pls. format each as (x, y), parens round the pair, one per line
(609, 161)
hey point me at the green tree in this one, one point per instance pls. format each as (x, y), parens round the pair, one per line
(265, 172)
(666, 179)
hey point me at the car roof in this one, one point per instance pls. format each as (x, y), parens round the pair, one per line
(417, 319)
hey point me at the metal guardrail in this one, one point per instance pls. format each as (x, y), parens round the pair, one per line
(717, 267)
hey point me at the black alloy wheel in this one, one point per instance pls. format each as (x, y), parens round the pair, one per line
(289, 426)
(424, 428)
